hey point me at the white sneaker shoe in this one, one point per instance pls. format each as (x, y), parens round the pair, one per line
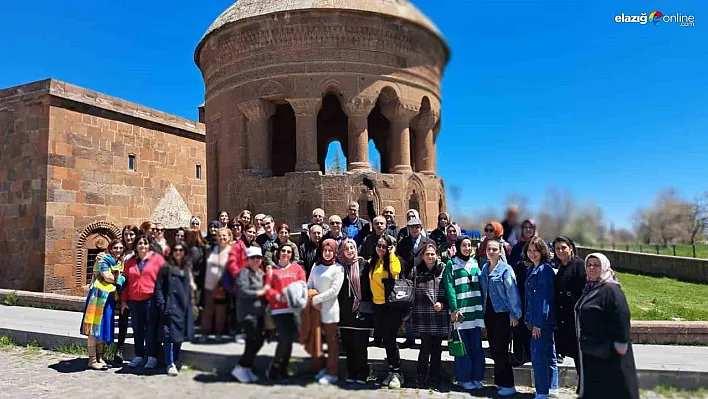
(172, 370)
(553, 393)
(136, 362)
(320, 374)
(240, 373)
(506, 391)
(477, 385)
(328, 380)
(388, 378)
(240, 338)
(151, 363)
(396, 381)
(467, 386)
(251, 375)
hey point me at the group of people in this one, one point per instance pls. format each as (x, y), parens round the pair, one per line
(338, 286)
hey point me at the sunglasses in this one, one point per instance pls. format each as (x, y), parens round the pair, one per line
(382, 246)
(489, 230)
(335, 223)
(118, 248)
(286, 252)
(177, 249)
(160, 230)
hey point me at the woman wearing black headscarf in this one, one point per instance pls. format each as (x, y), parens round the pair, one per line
(211, 238)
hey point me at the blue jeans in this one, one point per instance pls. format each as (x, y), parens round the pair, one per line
(172, 352)
(544, 362)
(144, 320)
(471, 366)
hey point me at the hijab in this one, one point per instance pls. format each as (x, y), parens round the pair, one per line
(458, 247)
(533, 223)
(354, 271)
(452, 248)
(332, 244)
(417, 216)
(498, 233)
(607, 275)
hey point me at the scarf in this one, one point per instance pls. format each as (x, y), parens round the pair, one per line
(498, 233)
(417, 216)
(452, 250)
(354, 272)
(533, 223)
(458, 248)
(332, 244)
(607, 275)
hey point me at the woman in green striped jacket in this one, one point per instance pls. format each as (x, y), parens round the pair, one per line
(465, 300)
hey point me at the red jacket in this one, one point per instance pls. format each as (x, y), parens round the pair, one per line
(237, 258)
(279, 278)
(141, 285)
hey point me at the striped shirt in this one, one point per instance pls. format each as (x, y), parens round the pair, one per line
(464, 292)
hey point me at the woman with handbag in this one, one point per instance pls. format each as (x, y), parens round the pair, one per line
(431, 319)
(502, 310)
(355, 312)
(213, 317)
(387, 318)
(465, 298)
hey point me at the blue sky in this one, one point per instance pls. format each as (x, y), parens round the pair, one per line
(537, 93)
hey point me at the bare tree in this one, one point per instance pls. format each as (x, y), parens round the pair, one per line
(556, 212)
(698, 216)
(623, 235)
(521, 202)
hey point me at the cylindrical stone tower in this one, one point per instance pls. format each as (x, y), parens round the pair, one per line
(286, 78)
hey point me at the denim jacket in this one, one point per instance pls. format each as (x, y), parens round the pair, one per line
(540, 297)
(500, 285)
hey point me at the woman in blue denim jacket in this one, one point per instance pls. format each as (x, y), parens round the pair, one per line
(539, 316)
(502, 311)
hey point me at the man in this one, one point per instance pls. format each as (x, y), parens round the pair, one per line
(269, 235)
(438, 235)
(335, 230)
(318, 217)
(354, 226)
(368, 247)
(389, 213)
(258, 221)
(410, 214)
(512, 229)
(309, 247)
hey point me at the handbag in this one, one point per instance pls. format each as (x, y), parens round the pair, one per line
(400, 292)
(456, 348)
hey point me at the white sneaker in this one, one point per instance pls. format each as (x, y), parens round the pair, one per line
(328, 380)
(240, 338)
(172, 370)
(553, 393)
(349, 380)
(388, 378)
(240, 373)
(320, 374)
(151, 363)
(136, 362)
(506, 391)
(396, 381)
(252, 376)
(467, 386)
(477, 385)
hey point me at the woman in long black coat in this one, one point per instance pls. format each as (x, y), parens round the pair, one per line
(570, 281)
(173, 296)
(603, 322)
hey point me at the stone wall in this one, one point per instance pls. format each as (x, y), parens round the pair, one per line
(24, 128)
(687, 269)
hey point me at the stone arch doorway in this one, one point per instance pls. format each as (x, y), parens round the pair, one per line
(283, 144)
(92, 240)
(331, 126)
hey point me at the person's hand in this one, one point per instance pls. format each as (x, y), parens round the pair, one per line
(124, 307)
(536, 332)
(437, 306)
(193, 286)
(514, 322)
(370, 195)
(621, 351)
(392, 249)
(261, 292)
(317, 306)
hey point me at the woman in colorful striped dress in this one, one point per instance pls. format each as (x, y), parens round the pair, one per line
(465, 300)
(98, 321)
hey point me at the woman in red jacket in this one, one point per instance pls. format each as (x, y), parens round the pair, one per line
(141, 273)
(278, 277)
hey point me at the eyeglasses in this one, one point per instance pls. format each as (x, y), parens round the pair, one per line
(335, 223)
(489, 230)
(286, 251)
(177, 249)
(116, 248)
(255, 257)
(160, 230)
(382, 246)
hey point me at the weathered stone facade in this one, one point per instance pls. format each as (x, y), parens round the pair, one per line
(67, 185)
(284, 79)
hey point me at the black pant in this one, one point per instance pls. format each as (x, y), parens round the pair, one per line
(355, 344)
(286, 332)
(498, 334)
(430, 353)
(254, 340)
(388, 320)
(123, 327)
(522, 340)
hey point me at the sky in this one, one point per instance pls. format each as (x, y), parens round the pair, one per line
(536, 94)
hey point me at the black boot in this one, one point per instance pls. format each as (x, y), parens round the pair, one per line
(421, 381)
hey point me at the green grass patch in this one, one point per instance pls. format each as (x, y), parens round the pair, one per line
(672, 392)
(685, 250)
(32, 349)
(10, 299)
(6, 342)
(662, 298)
(71, 348)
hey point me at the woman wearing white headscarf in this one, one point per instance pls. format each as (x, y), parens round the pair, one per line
(403, 233)
(602, 317)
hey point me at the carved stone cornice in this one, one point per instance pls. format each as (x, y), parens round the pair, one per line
(360, 106)
(400, 111)
(257, 110)
(426, 121)
(305, 106)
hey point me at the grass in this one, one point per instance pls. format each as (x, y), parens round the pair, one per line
(661, 298)
(71, 348)
(6, 342)
(10, 299)
(685, 250)
(672, 392)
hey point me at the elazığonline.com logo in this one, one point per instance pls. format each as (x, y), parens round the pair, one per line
(657, 18)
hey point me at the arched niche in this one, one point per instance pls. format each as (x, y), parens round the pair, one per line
(92, 239)
(332, 125)
(283, 136)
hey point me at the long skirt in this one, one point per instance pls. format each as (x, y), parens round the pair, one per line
(98, 318)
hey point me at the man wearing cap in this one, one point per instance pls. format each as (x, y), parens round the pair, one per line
(411, 247)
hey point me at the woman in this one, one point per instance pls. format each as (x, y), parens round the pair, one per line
(250, 308)
(180, 234)
(387, 319)
(502, 311)
(355, 312)
(569, 282)
(216, 299)
(224, 218)
(236, 229)
(430, 317)
(539, 316)
(603, 321)
(97, 323)
(283, 238)
(493, 230)
(173, 296)
(249, 236)
(141, 273)
(245, 217)
(279, 277)
(197, 252)
(464, 295)
(211, 237)
(522, 336)
(447, 250)
(410, 214)
(326, 278)
(128, 235)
